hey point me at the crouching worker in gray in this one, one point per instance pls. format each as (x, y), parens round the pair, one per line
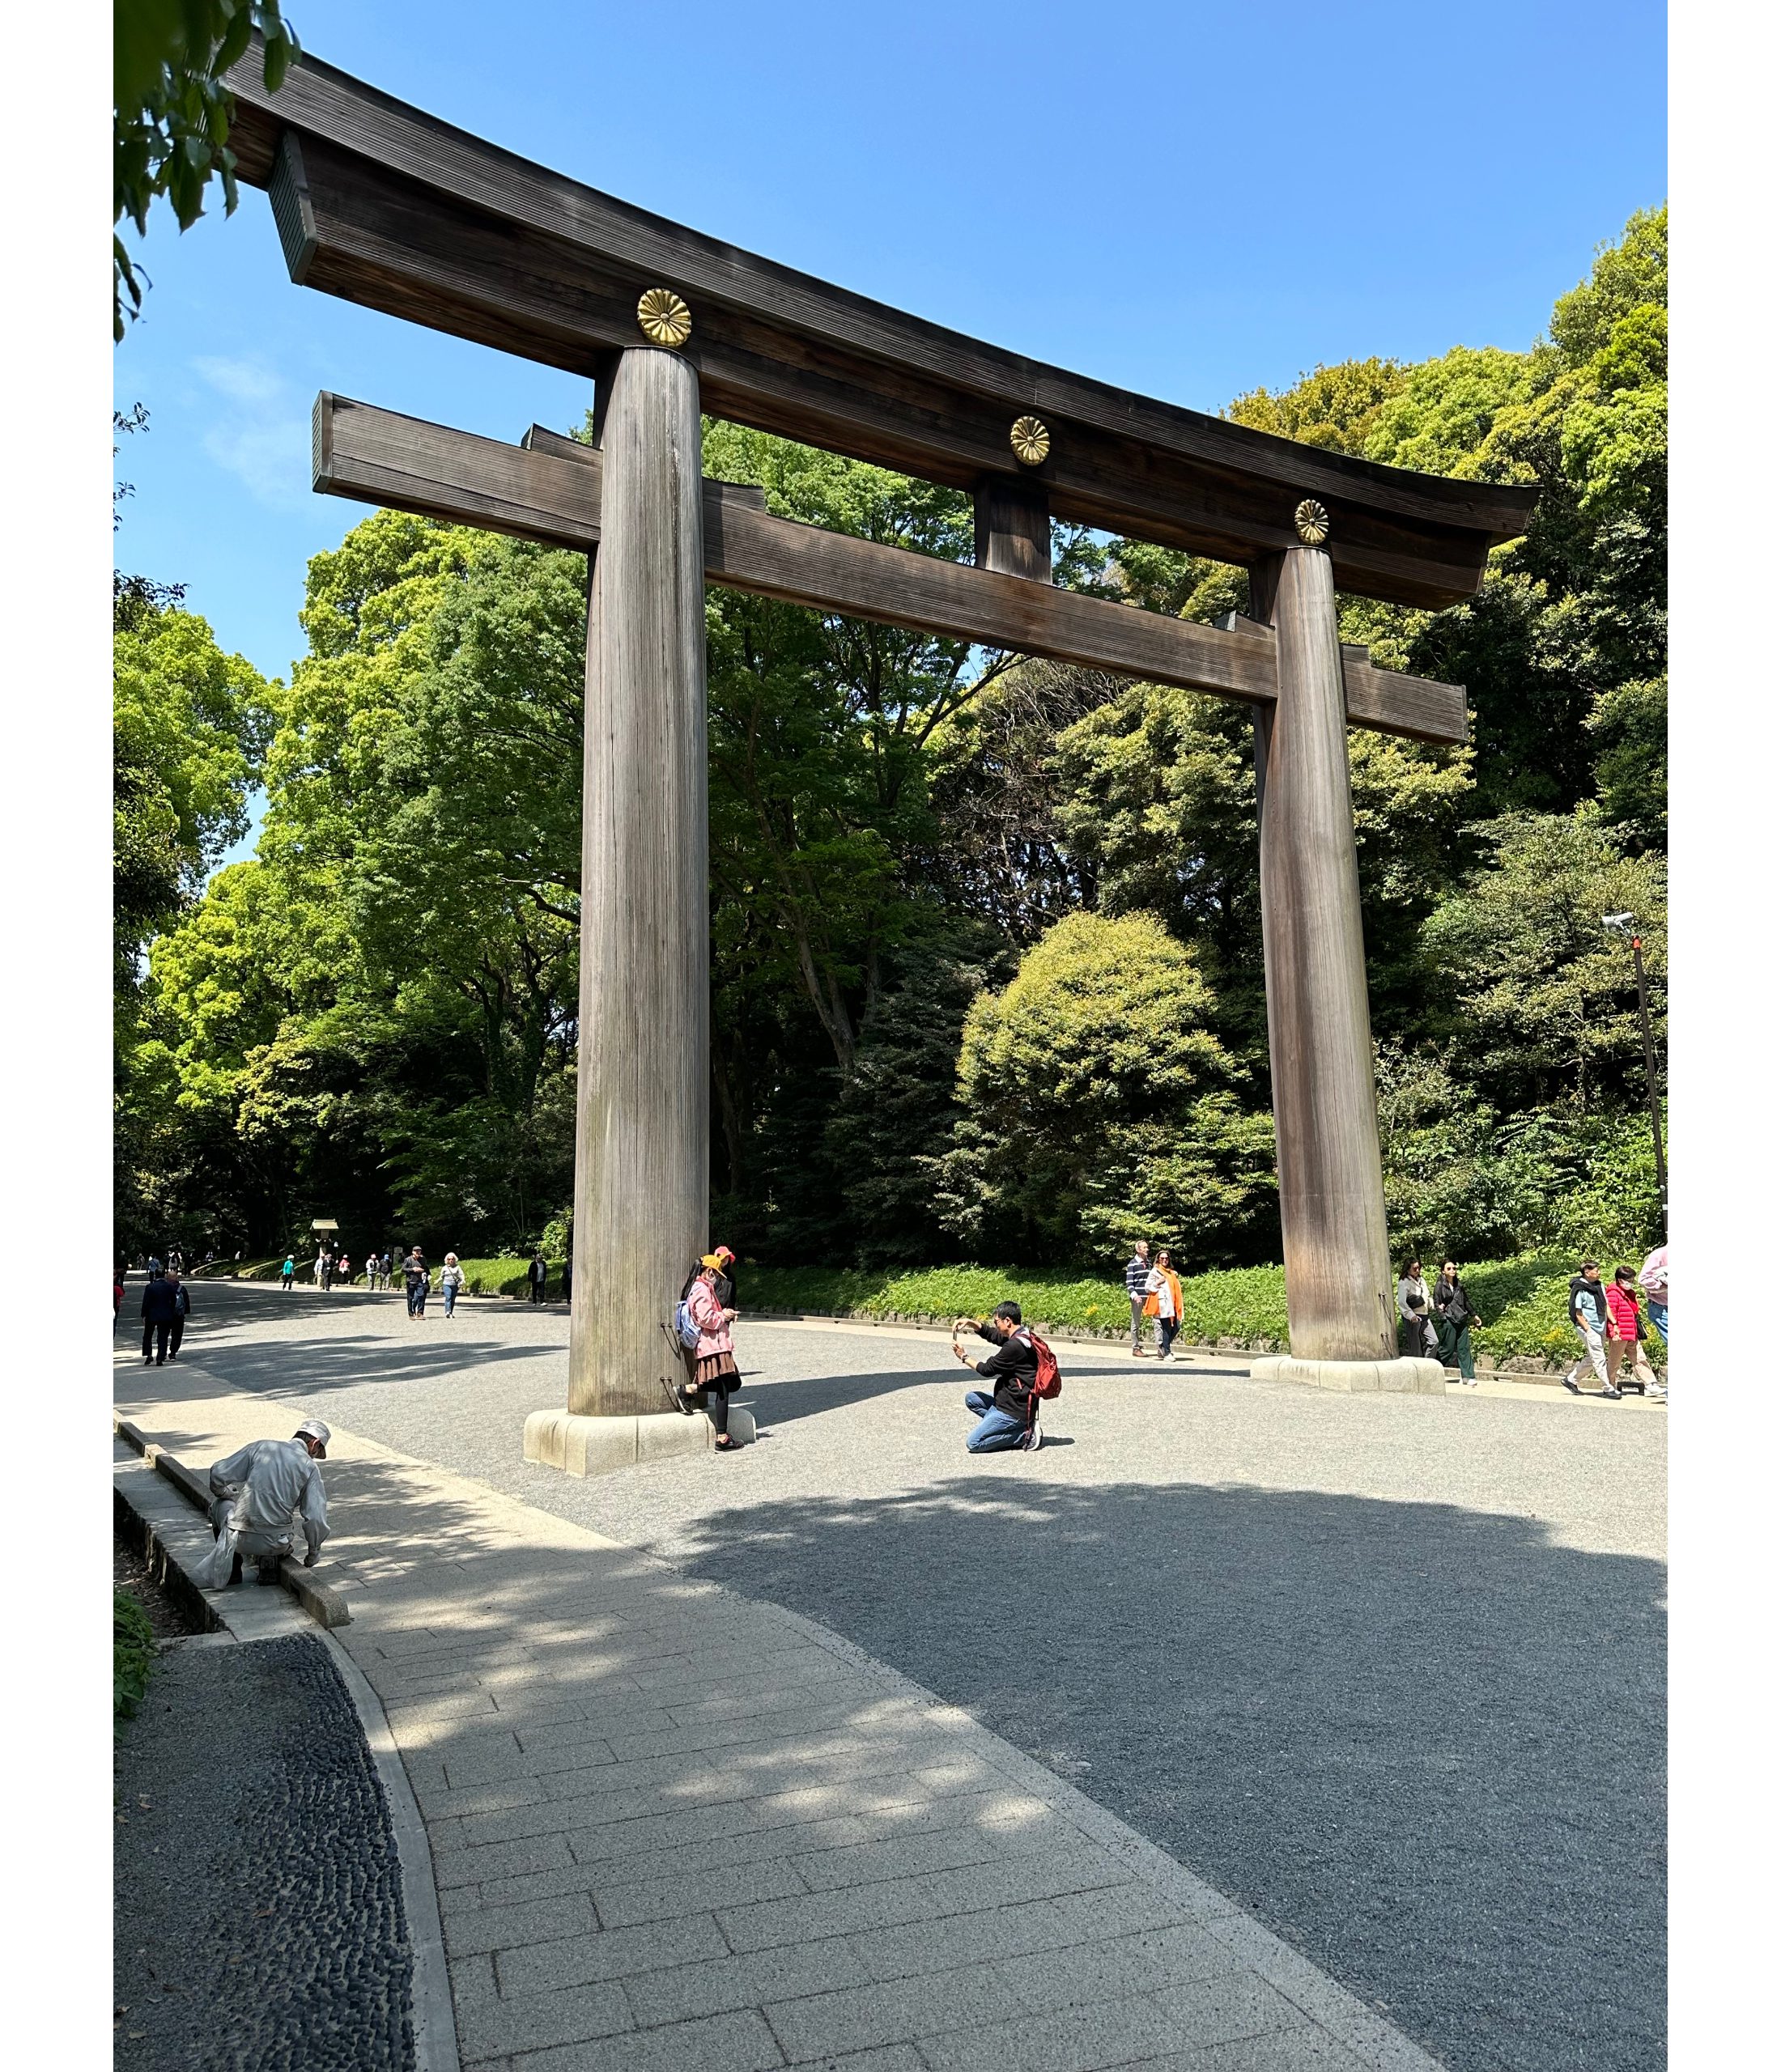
(265, 1494)
(1005, 1420)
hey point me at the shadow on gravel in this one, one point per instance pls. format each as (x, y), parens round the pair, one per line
(782, 1402)
(1425, 1745)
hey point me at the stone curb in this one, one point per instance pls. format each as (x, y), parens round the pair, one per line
(317, 1596)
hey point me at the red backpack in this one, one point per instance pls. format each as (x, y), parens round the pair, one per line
(1047, 1383)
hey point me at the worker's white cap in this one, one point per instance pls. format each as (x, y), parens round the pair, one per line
(313, 1428)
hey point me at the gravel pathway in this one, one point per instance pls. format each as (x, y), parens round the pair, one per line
(1388, 1672)
(257, 1917)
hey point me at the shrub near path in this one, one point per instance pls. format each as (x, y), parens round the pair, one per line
(1522, 1300)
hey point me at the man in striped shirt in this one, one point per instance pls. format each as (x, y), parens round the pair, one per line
(1138, 1275)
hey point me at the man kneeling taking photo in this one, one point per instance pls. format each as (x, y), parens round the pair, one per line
(1008, 1418)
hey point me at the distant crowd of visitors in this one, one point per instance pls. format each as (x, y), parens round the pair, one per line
(334, 1268)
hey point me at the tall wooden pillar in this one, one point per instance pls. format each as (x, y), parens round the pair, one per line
(1340, 1298)
(642, 1112)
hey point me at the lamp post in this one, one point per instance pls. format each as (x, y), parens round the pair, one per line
(1624, 924)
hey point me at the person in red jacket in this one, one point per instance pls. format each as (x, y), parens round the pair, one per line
(1625, 1348)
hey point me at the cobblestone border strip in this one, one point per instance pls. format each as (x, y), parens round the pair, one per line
(435, 2026)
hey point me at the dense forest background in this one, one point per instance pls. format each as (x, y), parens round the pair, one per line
(985, 939)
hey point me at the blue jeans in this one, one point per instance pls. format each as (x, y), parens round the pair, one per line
(996, 1430)
(450, 1294)
(1659, 1314)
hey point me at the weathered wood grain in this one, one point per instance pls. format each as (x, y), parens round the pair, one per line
(1339, 1288)
(550, 490)
(410, 215)
(1013, 529)
(643, 1092)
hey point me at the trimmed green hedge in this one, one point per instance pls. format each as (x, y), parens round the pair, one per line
(1523, 1301)
(1247, 1303)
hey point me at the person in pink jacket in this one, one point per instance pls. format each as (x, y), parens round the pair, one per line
(1625, 1349)
(714, 1358)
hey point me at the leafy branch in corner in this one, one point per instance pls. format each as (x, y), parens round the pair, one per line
(172, 112)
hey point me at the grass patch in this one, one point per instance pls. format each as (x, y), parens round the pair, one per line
(133, 1654)
(505, 1277)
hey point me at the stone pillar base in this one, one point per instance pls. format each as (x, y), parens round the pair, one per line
(602, 1445)
(1355, 1377)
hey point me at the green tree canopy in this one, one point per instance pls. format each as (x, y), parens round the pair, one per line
(1098, 1103)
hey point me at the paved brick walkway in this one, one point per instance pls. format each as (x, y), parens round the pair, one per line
(674, 1828)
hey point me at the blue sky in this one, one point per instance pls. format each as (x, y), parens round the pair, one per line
(1186, 200)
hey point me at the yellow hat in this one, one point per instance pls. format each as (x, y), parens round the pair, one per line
(712, 1260)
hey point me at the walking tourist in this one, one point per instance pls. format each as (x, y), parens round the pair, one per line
(714, 1357)
(1654, 1278)
(262, 1496)
(536, 1275)
(414, 1277)
(182, 1308)
(371, 1271)
(287, 1273)
(1006, 1414)
(1626, 1349)
(1137, 1284)
(1416, 1339)
(1454, 1318)
(451, 1279)
(316, 1271)
(160, 1309)
(386, 1267)
(1589, 1319)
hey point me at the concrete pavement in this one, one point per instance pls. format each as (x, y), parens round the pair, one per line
(1339, 1658)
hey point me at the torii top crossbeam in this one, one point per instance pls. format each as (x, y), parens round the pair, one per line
(388, 206)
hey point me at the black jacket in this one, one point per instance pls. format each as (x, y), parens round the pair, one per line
(1013, 1368)
(1453, 1303)
(159, 1305)
(1591, 1296)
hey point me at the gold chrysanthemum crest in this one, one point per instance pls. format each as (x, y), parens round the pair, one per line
(663, 317)
(1031, 440)
(1310, 521)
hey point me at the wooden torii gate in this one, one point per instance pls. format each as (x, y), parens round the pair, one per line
(380, 203)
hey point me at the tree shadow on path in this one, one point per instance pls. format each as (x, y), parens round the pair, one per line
(1425, 1745)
